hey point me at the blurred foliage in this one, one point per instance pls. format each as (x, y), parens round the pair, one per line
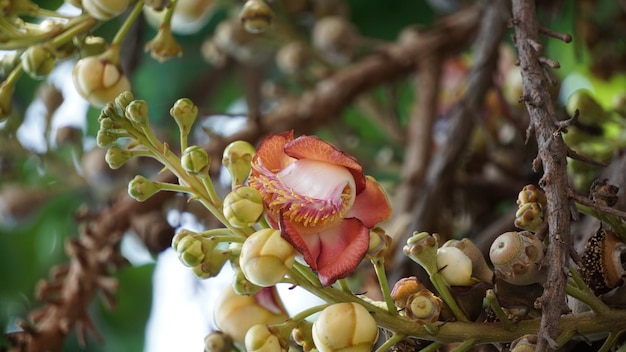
(30, 247)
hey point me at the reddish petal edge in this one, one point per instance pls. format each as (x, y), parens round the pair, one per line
(271, 152)
(268, 298)
(372, 205)
(315, 148)
(309, 246)
(343, 248)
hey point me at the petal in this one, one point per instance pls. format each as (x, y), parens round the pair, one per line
(371, 206)
(314, 148)
(308, 245)
(271, 154)
(342, 249)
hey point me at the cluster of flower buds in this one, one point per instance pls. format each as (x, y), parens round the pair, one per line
(203, 254)
(531, 202)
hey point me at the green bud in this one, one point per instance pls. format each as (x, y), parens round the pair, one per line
(242, 286)
(6, 96)
(422, 249)
(124, 99)
(256, 16)
(217, 341)
(92, 46)
(38, 61)
(237, 159)
(106, 123)
(137, 112)
(184, 113)
(117, 156)
(191, 250)
(243, 207)
(212, 264)
(104, 138)
(141, 188)
(195, 160)
(182, 233)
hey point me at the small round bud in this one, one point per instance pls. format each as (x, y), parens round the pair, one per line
(99, 80)
(262, 338)
(105, 138)
(266, 257)
(404, 288)
(237, 159)
(105, 9)
(235, 315)
(422, 248)
(302, 335)
(124, 99)
(256, 16)
(38, 61)
(529, 217)
(212, 263)
(164, 46)
(117, 156)
(455, 267)
(480, 268)
(182, 233)
(379, 243)
(423, 307)
(195, 160)
(345, 327)
(243, 207)
(191, 250)
(184, 113)
(217, 341)
(517, 256)
(137, 112)
(531, 194)
(141, 188)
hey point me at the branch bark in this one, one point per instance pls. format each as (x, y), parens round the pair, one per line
(552, 153)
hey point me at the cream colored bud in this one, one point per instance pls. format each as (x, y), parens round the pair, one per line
(256, 16)
(529, 217)
(379, 243)
(345, 327)
(531, 194)
(195, 160)
(266, 257)
(455, 267)
(243, 207)
(517, 256)
(262, 338)
(99, 80)
(235, 315)
(480, 268)
(105, 9)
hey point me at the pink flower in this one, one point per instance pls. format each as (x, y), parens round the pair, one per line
(320, 199)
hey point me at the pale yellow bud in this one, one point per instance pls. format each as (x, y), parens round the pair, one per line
(105, 9)
(266, 257)
(455, 267)
(99, 80)
(345, 327)
(243, 207)
(261, 338)
(237, 158)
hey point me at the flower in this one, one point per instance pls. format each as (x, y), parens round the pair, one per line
(320, 199)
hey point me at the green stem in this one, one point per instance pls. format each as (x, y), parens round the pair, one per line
(125, 28)
(610, 342)
(379, 268)
(83, 26)
(343, 284)
(169, 12)
(432, 347)
(15, 74)
(464, 346)
(583, 293)
(390, 342)
(308, 312)
(163, 186)
(446, 296)
(497, 309)
(307, 274)
(615, 222)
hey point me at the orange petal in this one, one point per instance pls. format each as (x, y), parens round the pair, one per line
(308, 245)
(371, 206)
(314, 148)
(271, 152)
(342, 249)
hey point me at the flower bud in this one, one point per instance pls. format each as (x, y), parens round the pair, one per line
(195, 160)
(526, 343)
(99, 80)
(123, 100)
(235, 315)
(266, 257)
(480, 268)
(404, 288)
(38, 61)
(137, 112)
(164, 46)
(180, 234)
(256, 16)
(243, 207)
(529, 217)
(191, 250)
(141, 188)
(237, 159)
(455, 267)
(212, 263)
(217, 341)
(422, 249)
(242, 286)
(302, 335)
(184, 113)
(92, 46)
(117, 156)
(263, 338)
(531, 194)
(105, 9)
(345, 327)
(105, 138)
(423, 307)
(379, 243)
(517, 256)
